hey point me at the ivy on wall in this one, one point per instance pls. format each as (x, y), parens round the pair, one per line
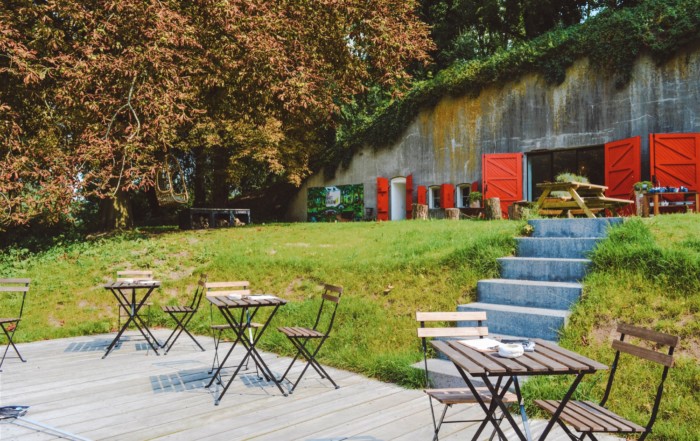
(612, 41)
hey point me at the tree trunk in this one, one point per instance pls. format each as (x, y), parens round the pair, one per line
(492, 209)
(199, 177)
(420, 211)
(220, 182)
(452, 213)
(115, 213)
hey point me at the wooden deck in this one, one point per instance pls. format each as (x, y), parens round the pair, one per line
(135, 395)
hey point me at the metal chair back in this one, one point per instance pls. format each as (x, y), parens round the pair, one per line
(650, 350)
(13, 293)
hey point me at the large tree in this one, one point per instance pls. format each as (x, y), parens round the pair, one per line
(94, 93)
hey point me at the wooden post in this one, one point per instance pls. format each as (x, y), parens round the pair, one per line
(452, 213)
(420, 211)
(492, 208)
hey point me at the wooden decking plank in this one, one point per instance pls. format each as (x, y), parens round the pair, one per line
(135, 395)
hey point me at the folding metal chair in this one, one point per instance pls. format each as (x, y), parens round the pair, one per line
(12, 290)
(235, 288)
(182, 314)
(301, 337)
(448, 397)
(135, 275)
(588, 418)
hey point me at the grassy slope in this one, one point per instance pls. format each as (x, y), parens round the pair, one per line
(431, 265)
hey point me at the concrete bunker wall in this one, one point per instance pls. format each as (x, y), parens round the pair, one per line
(444, 144)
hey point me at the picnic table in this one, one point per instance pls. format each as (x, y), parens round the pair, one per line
(132, 296)
(499, 373)
(239, 311)
(585, 198)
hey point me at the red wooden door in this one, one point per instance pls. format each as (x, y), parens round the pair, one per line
(409, 196)
(382, 199)
(623, 167)
(447, 196)
(502, 175)
(675, 160)
(422, 196)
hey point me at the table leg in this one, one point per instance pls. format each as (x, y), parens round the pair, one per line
(250, 346)
(656, 204)
(496, 397)
(123, 303)
(561, 407)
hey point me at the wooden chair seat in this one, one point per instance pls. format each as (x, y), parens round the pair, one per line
(586, 416)
(178, 309)
(465, 396)
(296, 332)
(182, 314)
(223, 327)
(319, 332)
(9, 320)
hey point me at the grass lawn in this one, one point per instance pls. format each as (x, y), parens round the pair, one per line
(648, 274)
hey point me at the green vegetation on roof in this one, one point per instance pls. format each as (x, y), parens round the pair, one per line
(612, 41)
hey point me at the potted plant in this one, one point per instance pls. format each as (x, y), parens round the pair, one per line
(475, 199)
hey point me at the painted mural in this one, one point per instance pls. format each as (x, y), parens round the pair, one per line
(340, 203)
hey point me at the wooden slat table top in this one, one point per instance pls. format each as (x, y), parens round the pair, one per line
(548, 358)
(245, 302)
(117, 284)
(560, 186)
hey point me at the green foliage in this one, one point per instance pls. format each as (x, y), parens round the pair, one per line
(611, 41)
(630, 284)
(632, 248)
(431, 266)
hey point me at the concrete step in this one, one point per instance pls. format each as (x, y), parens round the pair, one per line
(521, 321)
(564, 247)
(543, 268)
(597, 227)
(529, 293)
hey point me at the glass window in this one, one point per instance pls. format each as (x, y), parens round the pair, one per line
(462, 195)
(434, 197)
(591, 164)
(540, 171)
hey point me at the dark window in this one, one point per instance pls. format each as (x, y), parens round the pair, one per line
(545, 166)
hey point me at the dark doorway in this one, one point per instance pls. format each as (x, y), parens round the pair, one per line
(545, 166)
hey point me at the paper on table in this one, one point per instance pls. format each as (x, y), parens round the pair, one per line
(263, 296)
(482, 344)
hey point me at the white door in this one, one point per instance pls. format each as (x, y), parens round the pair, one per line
(398, 198)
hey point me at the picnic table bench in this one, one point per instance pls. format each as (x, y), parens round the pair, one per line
(585, 199)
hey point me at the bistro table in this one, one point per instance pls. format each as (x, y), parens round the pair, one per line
(132, 295)
(654, 199)
(547, 359)
(239, 311)
(586, 198)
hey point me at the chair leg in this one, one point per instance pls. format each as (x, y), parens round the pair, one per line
(310, 361)
(10, 342)
(180, 325)
(438, 425)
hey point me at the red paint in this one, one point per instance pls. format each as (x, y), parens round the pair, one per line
(447, 196)
(382, 199)
(409, 196)
(623, 167)
(502, 175)
(675, 160)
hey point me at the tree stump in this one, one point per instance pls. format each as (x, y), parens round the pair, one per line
(452, 213)
(492, 209)
(420, 211)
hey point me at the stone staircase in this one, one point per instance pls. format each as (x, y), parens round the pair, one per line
(536, 290)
